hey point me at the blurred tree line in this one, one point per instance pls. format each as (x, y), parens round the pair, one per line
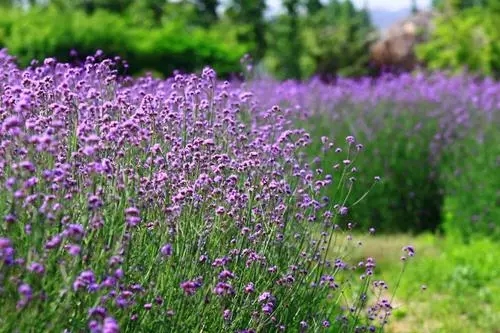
(307, 37)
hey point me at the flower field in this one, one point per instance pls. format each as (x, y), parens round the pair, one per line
(196, 205)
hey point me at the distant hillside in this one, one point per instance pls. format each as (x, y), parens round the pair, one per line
(383, 18)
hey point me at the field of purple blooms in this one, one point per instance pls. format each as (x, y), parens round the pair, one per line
(194, 205)
(432, 138)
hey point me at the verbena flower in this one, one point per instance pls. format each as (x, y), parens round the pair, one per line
(174, 202)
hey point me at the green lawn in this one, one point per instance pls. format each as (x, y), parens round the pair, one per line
(446, 287)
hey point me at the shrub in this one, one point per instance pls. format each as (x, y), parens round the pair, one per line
(468, 40)
(175, 47)
(47, 32)
(472, 177)
(41, 33)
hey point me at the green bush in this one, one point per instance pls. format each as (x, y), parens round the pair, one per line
(42, 33)
(48, 32)
(173, 46)
(472, 204)
(467, 40)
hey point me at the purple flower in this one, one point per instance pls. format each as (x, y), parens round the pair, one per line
(108, 282)
(10, 218)
(223, 289)
(190, 287)
(410, 250)
(220, 261)
(110, 326)
(132, 221)
(227, 315)
(54, 242)
(6, 251)
(268, 308)
(94, 326)
(75, 231)
(28, 166)
(26, 295)
(132, 211)
(97, 311)
(5, 243)
(73, 249)
(89, 150)
(343, 210)
(249, 288)
(119, 274)
(85, 279)
(220, 210)
(25, 290)
(166, 250)
(94, 202)
(11, 122)
(36, 268)
(265, 296)
(225, 275)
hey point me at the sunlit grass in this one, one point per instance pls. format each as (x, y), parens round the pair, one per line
(446, 287)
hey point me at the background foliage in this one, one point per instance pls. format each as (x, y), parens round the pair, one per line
(173, 45)
(306, 38)
(468, 39)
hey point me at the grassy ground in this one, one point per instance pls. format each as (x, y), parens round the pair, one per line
(446, 287)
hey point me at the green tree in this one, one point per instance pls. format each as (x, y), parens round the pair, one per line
(291, 55)
(90, 6)
(457, 5)
(251, 13)
(147, 12)
(337, 40)
(313, 6)
(207, 11)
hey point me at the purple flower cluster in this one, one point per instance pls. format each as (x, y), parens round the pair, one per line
(166, 202)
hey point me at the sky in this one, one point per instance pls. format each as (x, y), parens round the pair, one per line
(391, 5)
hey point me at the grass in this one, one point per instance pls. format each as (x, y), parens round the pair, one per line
(461, 283)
